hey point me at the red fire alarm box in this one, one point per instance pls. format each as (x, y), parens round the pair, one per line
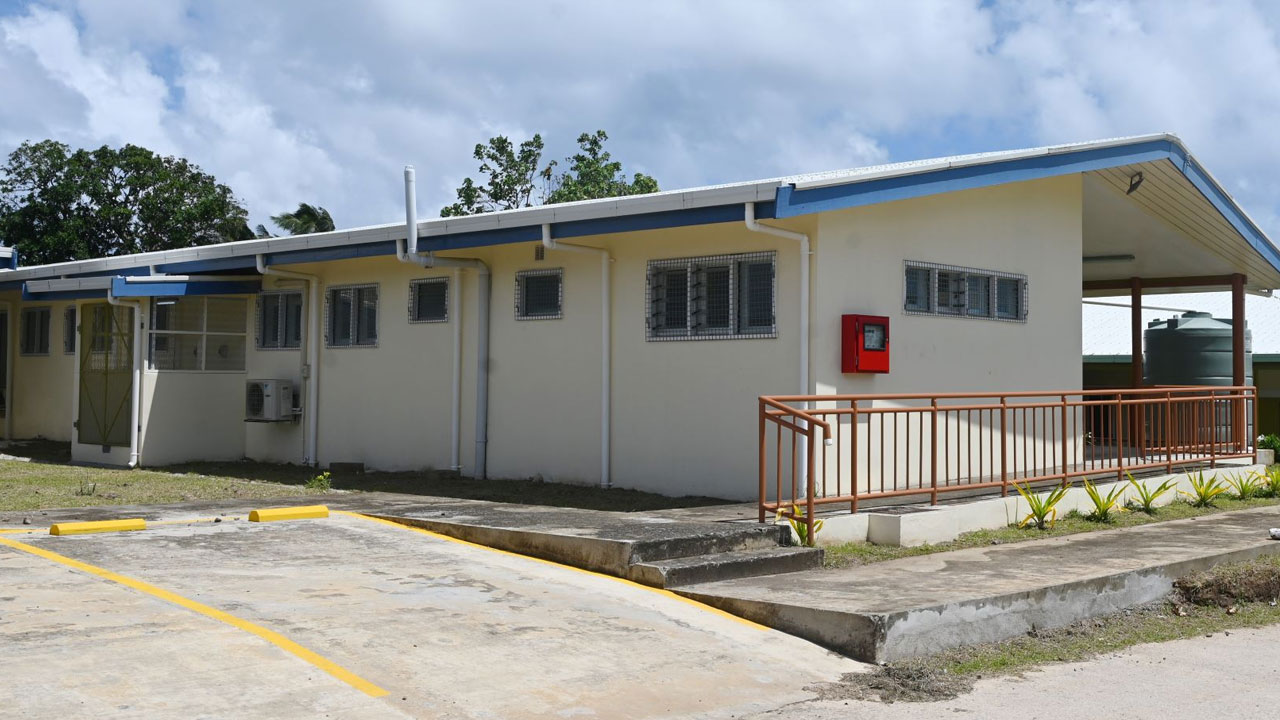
(864, 344)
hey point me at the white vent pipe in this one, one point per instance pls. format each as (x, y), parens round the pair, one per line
(408, 253)
(606, 347)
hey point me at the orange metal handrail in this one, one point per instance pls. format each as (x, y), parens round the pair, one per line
(981, 441)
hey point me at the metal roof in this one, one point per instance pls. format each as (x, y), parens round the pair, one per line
(779, 197)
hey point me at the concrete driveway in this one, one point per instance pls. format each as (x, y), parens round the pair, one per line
(350, 617)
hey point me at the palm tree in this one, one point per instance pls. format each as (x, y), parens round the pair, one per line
(306, 219)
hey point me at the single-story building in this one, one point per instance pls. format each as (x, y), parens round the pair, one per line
(622, 341)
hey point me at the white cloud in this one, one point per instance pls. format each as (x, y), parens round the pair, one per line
(288, 103)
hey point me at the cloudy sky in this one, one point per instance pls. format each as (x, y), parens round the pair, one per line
(324, 102)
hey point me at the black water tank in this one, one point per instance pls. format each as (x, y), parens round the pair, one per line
(1194, 349)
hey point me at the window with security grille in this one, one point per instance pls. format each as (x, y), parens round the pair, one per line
(69, 330)
(724, 296)
(540, 294)
(351, 316)
(198, 334)
(35, 331)
(932, 289)
(279, 321)
(429, 300)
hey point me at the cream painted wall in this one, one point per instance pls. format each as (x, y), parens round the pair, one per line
(192, 416)
(43, 385)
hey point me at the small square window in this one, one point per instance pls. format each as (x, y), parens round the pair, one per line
(35, 331)
(539, 294)
(1009, 299)
(352, 316)
(429, 300)
(919, 290)
(279, 321)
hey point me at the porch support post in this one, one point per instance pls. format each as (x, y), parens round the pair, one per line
(1135, 332)
(1237, 357)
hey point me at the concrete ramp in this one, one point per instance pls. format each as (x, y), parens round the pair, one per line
(915, 606)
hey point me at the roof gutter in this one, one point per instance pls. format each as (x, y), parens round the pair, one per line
(407, 254)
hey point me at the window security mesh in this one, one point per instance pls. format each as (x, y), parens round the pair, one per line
(69, 330)
(429, 300)
(279, 321)
(351, 316)
(540, 294)
(715, 297)
(35, 331)
(934, 289)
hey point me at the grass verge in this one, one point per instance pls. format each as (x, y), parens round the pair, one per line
(1229, 597)
(862, 553)
(43, 479)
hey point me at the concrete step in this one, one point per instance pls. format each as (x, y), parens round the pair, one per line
(725, 565)
(707, 539)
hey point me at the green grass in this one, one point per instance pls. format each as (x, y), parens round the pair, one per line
(47, 481)
(862, 553)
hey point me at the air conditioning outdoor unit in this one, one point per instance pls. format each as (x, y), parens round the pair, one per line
(268, 400)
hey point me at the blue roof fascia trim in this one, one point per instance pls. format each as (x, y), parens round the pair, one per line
(793, 202)
(63, 295)
(659, 220)
(482, 238)
(209, 265)
(12, 285)
(340, 252)
(1223, 203)
(121, 287)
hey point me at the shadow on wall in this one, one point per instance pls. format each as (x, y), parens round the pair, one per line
(426, 483)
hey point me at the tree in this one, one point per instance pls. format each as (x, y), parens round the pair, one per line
(306, 219)
(57, 205)
(511, 178)
(594, 174)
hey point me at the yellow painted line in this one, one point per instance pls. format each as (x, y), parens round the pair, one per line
(615, 578)
(304, 512)
(18, 531)
(270, 636)
(97, 526)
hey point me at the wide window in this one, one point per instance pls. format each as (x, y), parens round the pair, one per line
(352, 316)
(540, 294)
(35, 331)
(279, 321)
(723, 296)
(931, 289)
(429, 300)
(198, 334)
(69, 330)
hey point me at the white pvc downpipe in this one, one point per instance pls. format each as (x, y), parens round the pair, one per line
(135, 398)
(606, 347)
(755, 226)
(10, 322)
(455, 425)
(409, 254)
(311, 367)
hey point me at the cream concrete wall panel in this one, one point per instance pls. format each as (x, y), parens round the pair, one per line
(191, 416)
(386, 406)
(283, 442)
(1032, 228)
(43, 385)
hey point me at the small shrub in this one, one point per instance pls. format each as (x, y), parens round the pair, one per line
(1043, 511)
(1204, 492)
(798, 525)
(1244, 487)
(1269, 483)
(1105, 507)
(1270, 441)
(87, 488)
(322, 482)
(1147, 497)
